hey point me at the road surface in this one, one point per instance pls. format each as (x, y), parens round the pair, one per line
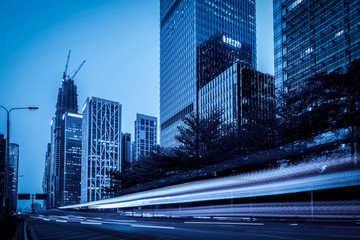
(55, 224)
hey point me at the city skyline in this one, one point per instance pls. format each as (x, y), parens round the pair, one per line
(37, 56)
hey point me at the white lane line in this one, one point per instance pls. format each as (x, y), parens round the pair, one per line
(151, 226)
(227, 223)
(46, 219)
(276, 237)
(63, 221)
(125, 221)
(293, 224)
(98, 223)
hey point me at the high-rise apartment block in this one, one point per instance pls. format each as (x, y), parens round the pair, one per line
(199, 39)
(312, 37)
(101, 147)
(243, 95)
(71, 174)
(145, 135)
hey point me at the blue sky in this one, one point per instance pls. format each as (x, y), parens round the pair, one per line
(119, 39)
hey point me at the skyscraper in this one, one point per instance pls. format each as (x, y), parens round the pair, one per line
(101, 147)
(14, 173)
(126, 151)
(47, 177)
(66, 102)
(145, 134)
(2, 169)
(198, 40)
(313, 36)
(71, 175)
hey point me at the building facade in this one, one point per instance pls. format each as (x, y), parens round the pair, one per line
(195, 37)
(2, 169)
(66, 102)
(145, 134)
(71, 175)
(46, 184)
(242, 94)
(312, 37)
(101, 147)
(126, 158)
(14, 174)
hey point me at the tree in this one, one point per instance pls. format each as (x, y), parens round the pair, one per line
(324, 103)
(202, 140)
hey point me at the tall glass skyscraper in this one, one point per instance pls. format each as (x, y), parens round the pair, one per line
(55, 161)
(313, 36)
(199, 39)
(71, 174)
(66, 102)
(101, 147)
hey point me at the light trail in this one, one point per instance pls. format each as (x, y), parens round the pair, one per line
(319, 209)
(316, 175)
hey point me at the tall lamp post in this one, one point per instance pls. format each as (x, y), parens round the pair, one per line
(7, 163)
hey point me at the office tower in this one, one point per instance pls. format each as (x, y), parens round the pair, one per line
(14, 174)
(199, 39)
(101, 147)
(145, 135)
(47, 176)
(2, 169)
(312, 37)
(242, 94)
(71, 175)
(126, 151)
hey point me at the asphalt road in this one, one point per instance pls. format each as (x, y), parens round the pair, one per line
(57, 224)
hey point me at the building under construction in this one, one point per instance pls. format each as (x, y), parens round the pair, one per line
(66, 103)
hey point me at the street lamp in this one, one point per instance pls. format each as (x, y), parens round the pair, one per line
(7, 166)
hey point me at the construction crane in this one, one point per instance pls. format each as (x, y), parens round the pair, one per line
(76, 71)
(66, 66)
(73, 72)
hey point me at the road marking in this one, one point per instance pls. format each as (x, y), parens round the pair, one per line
(151, 226)
(293, 224)
(227, 223)
(125, 221)
(63, 221)
(46, 219)
(98, 223)
(277, 237)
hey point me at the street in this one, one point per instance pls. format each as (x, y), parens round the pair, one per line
(55, 224)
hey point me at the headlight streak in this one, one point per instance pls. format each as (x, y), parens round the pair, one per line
(334, 180)
(322, 209)
(290, 179)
